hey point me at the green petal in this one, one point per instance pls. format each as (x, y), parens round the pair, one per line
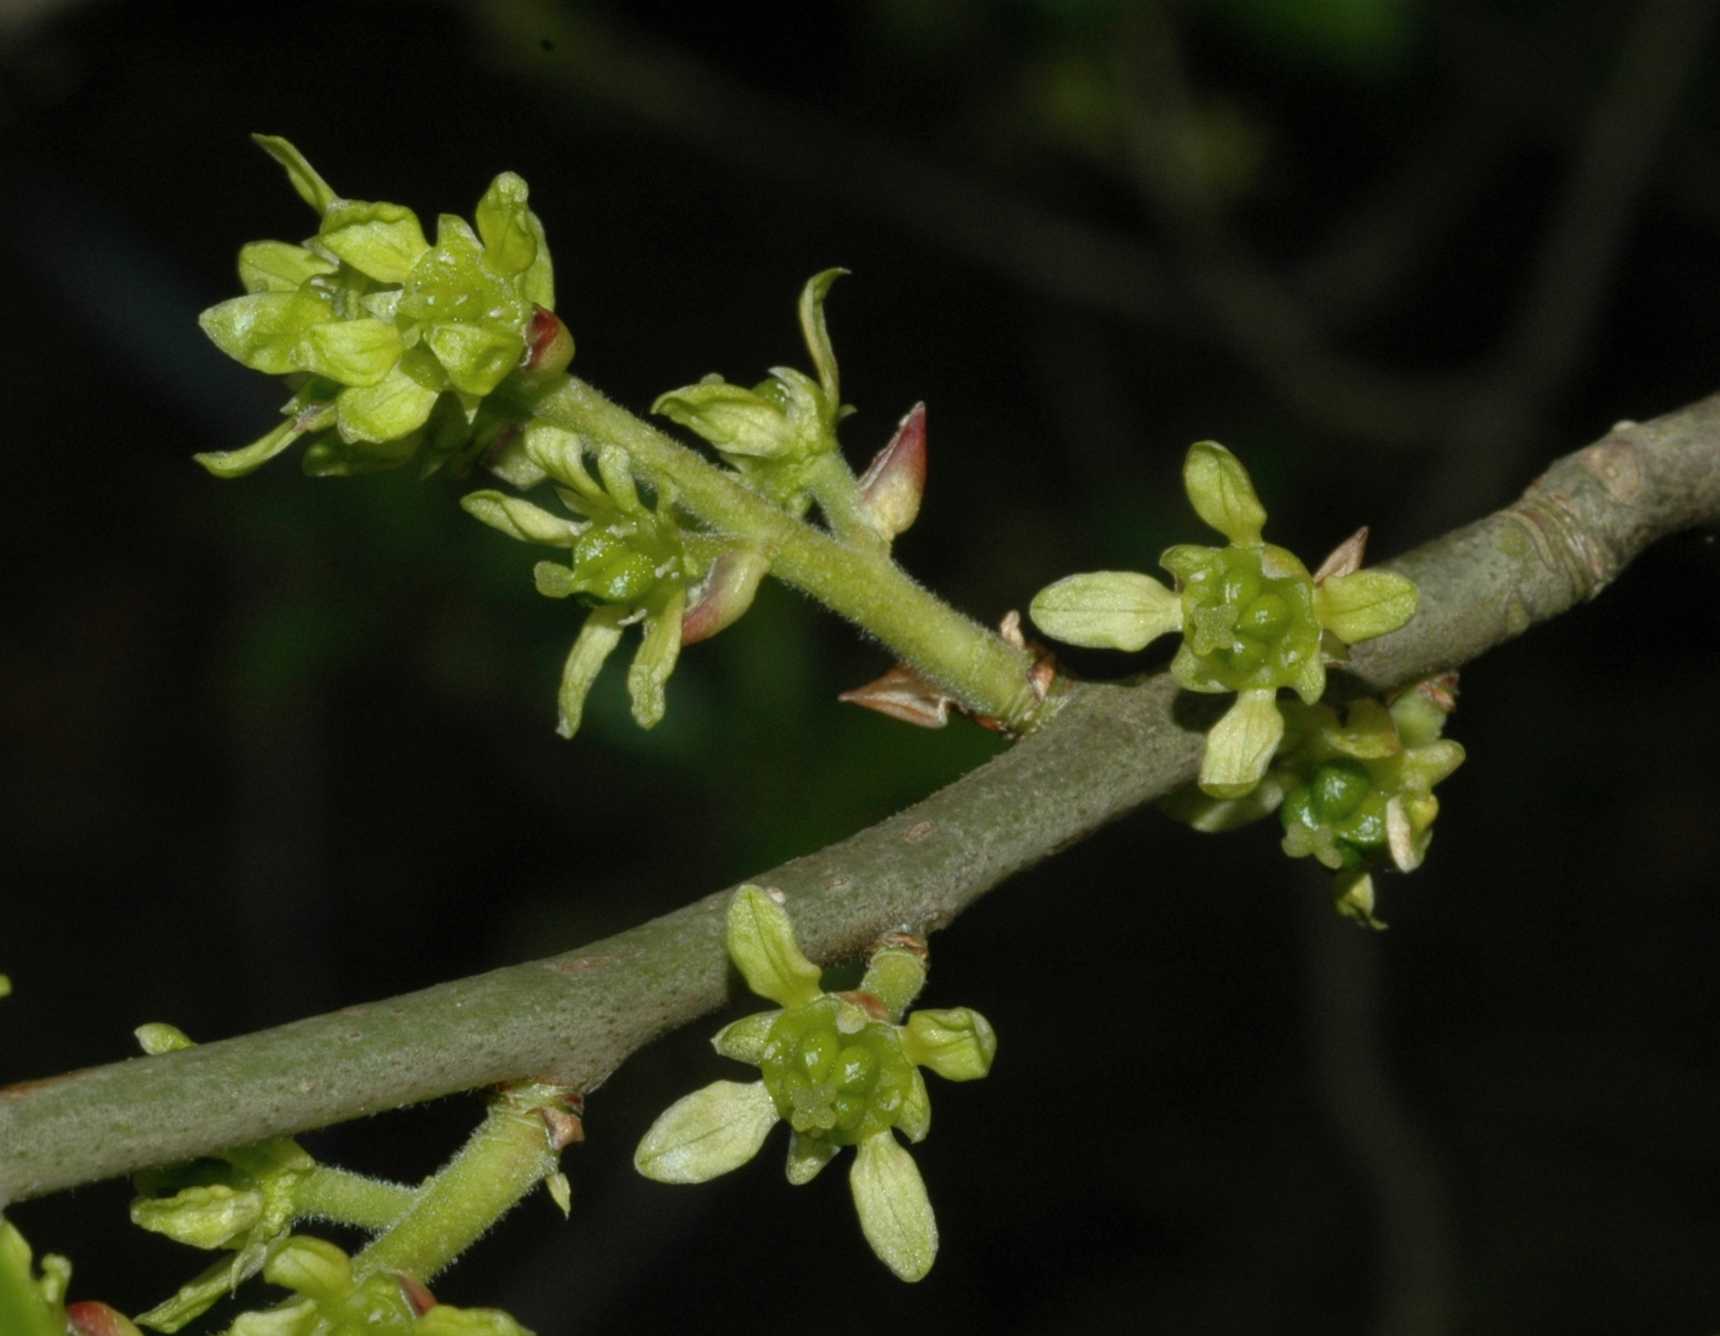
(1239, 746)
(744, 1040)
(294, 1319)
(817, 334)
(555, 580)
(1364, 605)
(1221, 494)
(520, 519)
(261, 330)
(312, 189)
(914, 1119)
(1107, 610)
(761, 942)
(958, 1044)
(707, 1133)
(202, 1217)
(275, 266)
(477, 358)
(807, 1155)
(395, 406)
(504, 225)
(735, 420)
(648, 674)
(446, 1320)
(597, 638)
(349, 352)
(237, 463)
(380, 240)
(24, 1309)
(895, 1213)
(310, 1266)
(1213, 815)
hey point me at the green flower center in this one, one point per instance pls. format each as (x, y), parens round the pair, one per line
(1341, 799)
(1250, 630)
(844, 1087)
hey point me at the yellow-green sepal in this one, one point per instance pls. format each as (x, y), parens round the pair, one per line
(311, 188)
(276, 266)
(895, 1212)
(817, 334)
(1239, 746)
(1365, 604)
(761, 943)
(1107, 610)
(1221, 493)
(707, 1133)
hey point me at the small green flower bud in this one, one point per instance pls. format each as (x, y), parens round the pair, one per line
(310, 1266)
(159, 1037)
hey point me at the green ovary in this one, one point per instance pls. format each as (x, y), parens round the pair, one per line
(1343, 801)
(841, 1087)
(1249, 630)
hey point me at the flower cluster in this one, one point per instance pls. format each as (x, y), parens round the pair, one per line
(34, 1304)
(1353, 791)
(630, 560)
(774, 432)
(393, 342)
(334, 1300)
(1253, 619)
(842, 1069)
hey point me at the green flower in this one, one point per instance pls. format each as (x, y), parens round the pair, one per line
(333, 1300)
(1353, 791)
(628, 560)
(776, 431)
(842, 1069)
(393, 342)
(240, 1200)
(1253, 619)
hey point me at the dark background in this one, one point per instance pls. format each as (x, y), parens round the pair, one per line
(278, 745)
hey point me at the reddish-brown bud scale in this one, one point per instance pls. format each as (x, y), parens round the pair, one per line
(417, 1293)
(895, 480)
(549, 346)
(87, 1317)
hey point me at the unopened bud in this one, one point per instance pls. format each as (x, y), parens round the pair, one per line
(895, 480)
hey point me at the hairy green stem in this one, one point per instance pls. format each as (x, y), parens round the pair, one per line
(508, 1156)
(579, 1015)
(855, 579)
(328, 1193)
